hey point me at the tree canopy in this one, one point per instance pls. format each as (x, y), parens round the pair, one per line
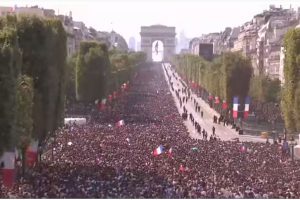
(226, 76)
(290, 93)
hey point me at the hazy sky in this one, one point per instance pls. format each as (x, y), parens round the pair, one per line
(195, 17)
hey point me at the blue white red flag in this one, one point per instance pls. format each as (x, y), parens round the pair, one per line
(235, 107)
(159, 150)
(247, 106)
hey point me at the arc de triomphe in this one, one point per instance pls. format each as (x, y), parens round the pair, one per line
(165, 34)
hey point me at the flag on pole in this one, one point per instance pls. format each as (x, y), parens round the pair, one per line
(103, 104)
(235, 107)
(247, 105)
(159, 150)
(170, 151)
(8, 171)
(120, 123)
(32, 153)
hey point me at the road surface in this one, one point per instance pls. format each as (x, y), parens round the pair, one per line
(225, 133)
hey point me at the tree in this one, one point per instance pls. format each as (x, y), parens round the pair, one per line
(71, 78)
(263, 89)
(297, 107)
(227, 76)
(289, 100)
(24, 120)
(237, 72)
(92, 70)
(43, 43)
(10, 68)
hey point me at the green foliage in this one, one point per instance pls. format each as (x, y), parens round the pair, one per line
(99, 72)
(290, 100)
(263, 89)
(43, 43)
(123, 65)
(225, 76)
(71, 78)
(92, 71)
(24, 125)
(10, 67)
(297, 107)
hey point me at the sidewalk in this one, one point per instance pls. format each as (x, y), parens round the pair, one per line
(223, 132)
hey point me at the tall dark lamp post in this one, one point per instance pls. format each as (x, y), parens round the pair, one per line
(293, 144)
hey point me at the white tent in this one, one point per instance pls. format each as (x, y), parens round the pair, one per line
(77, 121)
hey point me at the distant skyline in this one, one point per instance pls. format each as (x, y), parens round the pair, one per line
(194, 17)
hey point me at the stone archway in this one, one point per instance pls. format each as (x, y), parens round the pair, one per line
(150, 34)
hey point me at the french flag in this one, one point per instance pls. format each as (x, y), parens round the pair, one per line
(120, 123)
(103, 104)
(8, 171)
(32, 154)
(159, 150)
(235, 107)
(247, 105)
(170, 151)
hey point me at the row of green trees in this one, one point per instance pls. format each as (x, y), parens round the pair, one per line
(290, 103)
(32, 71)
(35, 78)
(226, 76)
(263, 89)
(99, 72)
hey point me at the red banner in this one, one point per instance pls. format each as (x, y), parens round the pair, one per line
(224, 105)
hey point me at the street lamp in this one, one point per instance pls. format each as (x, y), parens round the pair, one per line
(293, 144)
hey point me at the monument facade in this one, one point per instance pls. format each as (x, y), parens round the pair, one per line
(165, 34)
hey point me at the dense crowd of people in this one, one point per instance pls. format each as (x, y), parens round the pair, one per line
(102, 160)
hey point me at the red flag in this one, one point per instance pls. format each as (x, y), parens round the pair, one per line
(170, 151)
(103, 104)
(120, 123)
(182, 168)
(217, 100)
(224, 105)
(8, 171)
(32, 153)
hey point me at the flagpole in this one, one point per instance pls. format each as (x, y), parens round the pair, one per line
(214, 184)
